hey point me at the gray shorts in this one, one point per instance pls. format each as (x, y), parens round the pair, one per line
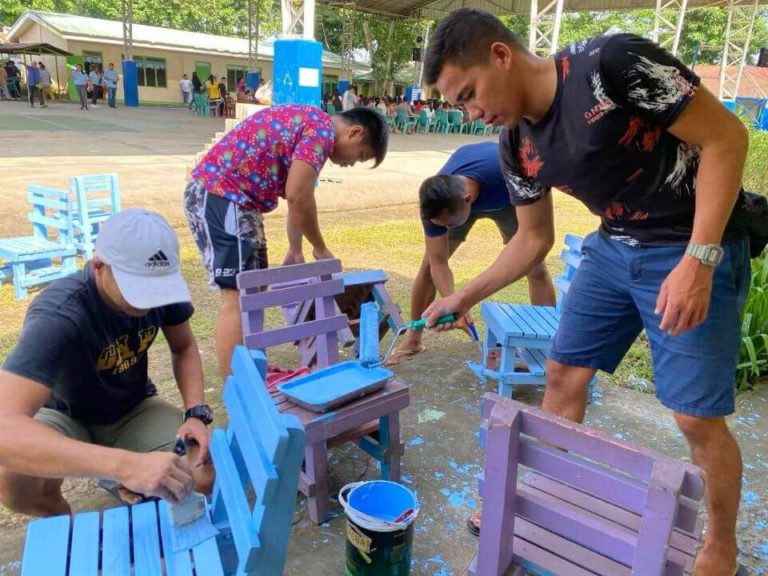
(505, 219)
(149, 427)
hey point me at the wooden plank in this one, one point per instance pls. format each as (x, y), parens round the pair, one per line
(573, 241)
(257, 457)
(230, 490)
(86, 543)
(362, 277)
(568, 521)
(499, 500)
(116, 555)
(658, 519)
(46, 547)
(535, 359)
(176, 563)
(576, 555)
(249, 395)
(146, 540)
(207, 560)
(266, 339)
(289, 295)
(259, 278)
(540, 317)
(680, 540)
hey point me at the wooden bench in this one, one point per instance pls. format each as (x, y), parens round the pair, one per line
(257, 461)
(587, 504)
(48, 253)
(522, 334)
(371, 422)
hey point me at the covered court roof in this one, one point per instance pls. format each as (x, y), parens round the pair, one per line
(439, 8)
(32, 48)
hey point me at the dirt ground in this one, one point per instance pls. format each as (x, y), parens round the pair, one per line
(151, 151)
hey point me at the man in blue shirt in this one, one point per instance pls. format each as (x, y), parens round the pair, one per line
(469, 187)
(33, 79)
(110, 81)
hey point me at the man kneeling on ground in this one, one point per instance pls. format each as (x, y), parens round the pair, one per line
(469, 187)
(75, 396)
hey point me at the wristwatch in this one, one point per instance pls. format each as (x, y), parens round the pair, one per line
(708, 254)
(202, 412)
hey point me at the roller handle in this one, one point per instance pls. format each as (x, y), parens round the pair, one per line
(421, 324)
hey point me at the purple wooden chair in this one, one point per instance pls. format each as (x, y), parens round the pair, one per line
(371, 422)
(587, 504)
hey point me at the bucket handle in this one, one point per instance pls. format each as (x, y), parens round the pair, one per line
(355, 513)
(344, 491)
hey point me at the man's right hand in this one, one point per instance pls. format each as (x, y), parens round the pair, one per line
(322, 254)
(160, 474)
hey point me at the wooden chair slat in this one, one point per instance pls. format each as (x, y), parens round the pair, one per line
(292, 273)
(207, 561)
(268, 338)
(290, 295)
(115, 552)
(146, 540)
(86, 540)
(176, 563)
(46, 547)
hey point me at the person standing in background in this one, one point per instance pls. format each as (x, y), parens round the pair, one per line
(81, 84)
(13, 79)
(111, 78)
(186, 90)
(33, 79)
(45, 85)
(95, 79)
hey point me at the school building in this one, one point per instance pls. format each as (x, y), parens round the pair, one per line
(162, 55)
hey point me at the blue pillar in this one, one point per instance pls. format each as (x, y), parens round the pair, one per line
(130, 83)
(343, 85)
(252, 80)
(298, 68)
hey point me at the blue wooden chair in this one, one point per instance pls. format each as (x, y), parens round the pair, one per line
(259, 456)
(49, 253)
(522, 334)
(750, 110)
(94, 199)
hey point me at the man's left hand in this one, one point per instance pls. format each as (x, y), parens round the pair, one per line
(193, 430)
(684, 297)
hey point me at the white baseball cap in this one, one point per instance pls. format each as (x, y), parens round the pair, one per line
(143, 251)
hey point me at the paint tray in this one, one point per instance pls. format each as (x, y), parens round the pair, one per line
(336, 385)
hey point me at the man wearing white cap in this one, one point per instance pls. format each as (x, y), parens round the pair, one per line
(75, 395)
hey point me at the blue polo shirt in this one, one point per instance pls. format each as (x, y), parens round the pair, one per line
(479, 162)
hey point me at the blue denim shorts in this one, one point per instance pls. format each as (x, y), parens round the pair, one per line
(612, 299)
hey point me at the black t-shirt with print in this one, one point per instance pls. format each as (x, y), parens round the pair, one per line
(604, 140)
(92, 358)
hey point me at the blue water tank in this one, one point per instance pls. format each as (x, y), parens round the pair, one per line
(298, 71)
(130, 83)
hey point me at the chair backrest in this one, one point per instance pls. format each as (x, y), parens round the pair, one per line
(50, 214)
(94, 198)
(664, 493)
(258, 459)
(331, 110)
(288, 285)
(571, 257)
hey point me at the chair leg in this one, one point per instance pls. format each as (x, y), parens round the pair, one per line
(389, 441)
(316, 468)
(591, 393)
(19, 273)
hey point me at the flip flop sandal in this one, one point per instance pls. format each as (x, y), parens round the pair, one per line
(114, 487)
(474, 529)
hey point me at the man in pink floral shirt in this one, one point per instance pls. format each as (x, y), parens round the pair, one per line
(276, 153)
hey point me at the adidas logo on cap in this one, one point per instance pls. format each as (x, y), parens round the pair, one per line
(158, 259)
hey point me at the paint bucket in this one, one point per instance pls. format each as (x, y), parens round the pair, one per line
(380, 519)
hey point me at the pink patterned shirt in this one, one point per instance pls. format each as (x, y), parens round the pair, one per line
(249, 166)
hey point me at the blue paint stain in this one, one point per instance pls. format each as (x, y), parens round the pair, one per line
(750, 498)
(761, 525)
(407, 478)
(416, 441)
(325, 525)
(458, 499)
(439, 475)
(442, 570)
(619, 436)
(762, 550)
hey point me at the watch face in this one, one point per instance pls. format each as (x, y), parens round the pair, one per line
(713, 255)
